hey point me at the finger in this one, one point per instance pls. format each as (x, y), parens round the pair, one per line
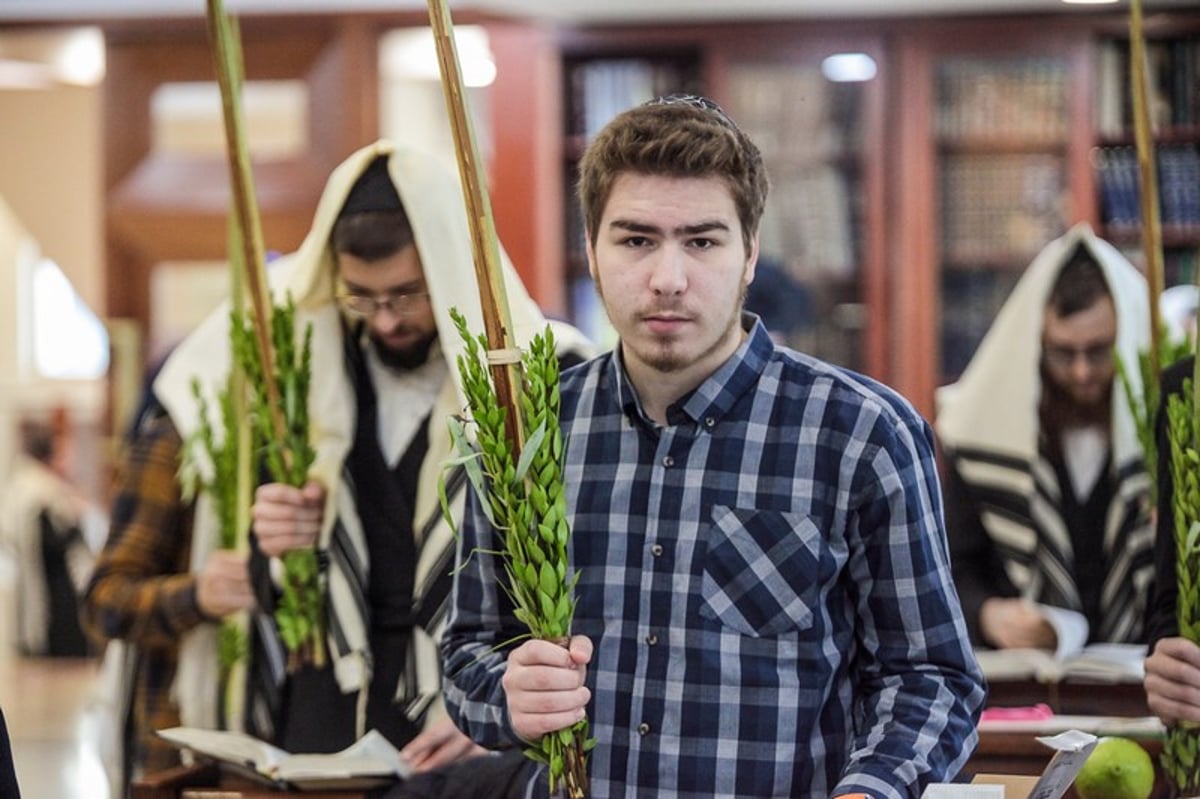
(542, 653)
(278, 492)
(581, 649)
(448, 753)
(533, 726)
(313, 493)
(1179, 649)
(285, 511)
(547, 702)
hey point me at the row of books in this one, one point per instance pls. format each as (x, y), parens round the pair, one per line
(1000, 209)
(1002, 98)
(1174, 69)
(795, 115)
(971, 298)
(603, 88)
(1119, 178)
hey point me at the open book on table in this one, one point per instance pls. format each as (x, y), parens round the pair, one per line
(370, 762)
(1074, 659)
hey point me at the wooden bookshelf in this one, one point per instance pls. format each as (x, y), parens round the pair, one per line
(991, 138)
(1173, 59)
(889, 197)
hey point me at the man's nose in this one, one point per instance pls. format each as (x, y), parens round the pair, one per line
(668, 274)
(385, 319)
(1082, 367)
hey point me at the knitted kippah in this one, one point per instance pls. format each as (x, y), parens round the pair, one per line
(373, 191)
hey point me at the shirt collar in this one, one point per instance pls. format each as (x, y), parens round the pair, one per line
(709, 402)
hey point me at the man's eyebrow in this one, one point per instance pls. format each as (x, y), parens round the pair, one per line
(682, 230)
(402, 288)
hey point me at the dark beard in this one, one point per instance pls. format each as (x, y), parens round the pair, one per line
(407, 359)
(1057, 412)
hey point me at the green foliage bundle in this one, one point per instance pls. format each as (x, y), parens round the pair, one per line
(524, 499)
(288, 457)
(1181, 746)
(222, 488)
(1145, 405)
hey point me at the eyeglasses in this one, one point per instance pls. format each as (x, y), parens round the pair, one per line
(695, 101)
(1096, 355)
(394, 302)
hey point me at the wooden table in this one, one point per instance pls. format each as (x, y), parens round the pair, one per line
(1021, 753)
(1072, 698)
(210, 782)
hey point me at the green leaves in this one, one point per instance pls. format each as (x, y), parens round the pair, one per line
(525, 502)
(1145, 405)
(1181, 745)
(300, 613)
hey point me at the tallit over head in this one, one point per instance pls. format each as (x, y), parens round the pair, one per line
(994, 405)
(432, 198)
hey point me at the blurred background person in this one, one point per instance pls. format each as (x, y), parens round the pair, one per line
(1047, 498)
(42, 518)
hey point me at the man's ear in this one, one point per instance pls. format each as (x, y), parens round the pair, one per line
(752, 260)
(591, 253)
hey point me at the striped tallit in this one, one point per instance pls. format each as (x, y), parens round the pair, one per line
(988, 424)
(432, 199)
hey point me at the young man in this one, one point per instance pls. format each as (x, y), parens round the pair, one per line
(387, 257)
(765, 606)
(1047, 500)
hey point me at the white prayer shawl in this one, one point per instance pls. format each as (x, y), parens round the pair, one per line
(988, 420)
(31, 489)
(432, 199)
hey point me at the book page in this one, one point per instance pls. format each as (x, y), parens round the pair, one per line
(1017, 664)
(1108, 663)
(1070, 626)
(372, 755)
(232, 747)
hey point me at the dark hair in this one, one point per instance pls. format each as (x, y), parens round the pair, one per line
(1080, 284)
(677, 136)
(372, 235)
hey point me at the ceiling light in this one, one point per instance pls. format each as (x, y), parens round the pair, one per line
(80, 58)
(849, 67)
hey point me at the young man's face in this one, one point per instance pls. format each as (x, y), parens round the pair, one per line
(672, 271)
(1077, 352)
(401, 323)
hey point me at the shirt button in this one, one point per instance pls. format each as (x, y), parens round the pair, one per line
(651, 639)
(668, 461)
(643, 729)
(709, 421)
(656, 550)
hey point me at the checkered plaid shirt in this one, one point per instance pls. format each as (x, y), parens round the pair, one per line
(766, 583)
(141, 590)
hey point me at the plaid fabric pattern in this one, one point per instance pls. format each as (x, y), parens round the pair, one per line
(141, 590)
(765, 580)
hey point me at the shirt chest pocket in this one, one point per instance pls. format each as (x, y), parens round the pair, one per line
(762, 571)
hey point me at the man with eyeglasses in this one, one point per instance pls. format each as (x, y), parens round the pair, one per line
(388, 256)
(1047, 496)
